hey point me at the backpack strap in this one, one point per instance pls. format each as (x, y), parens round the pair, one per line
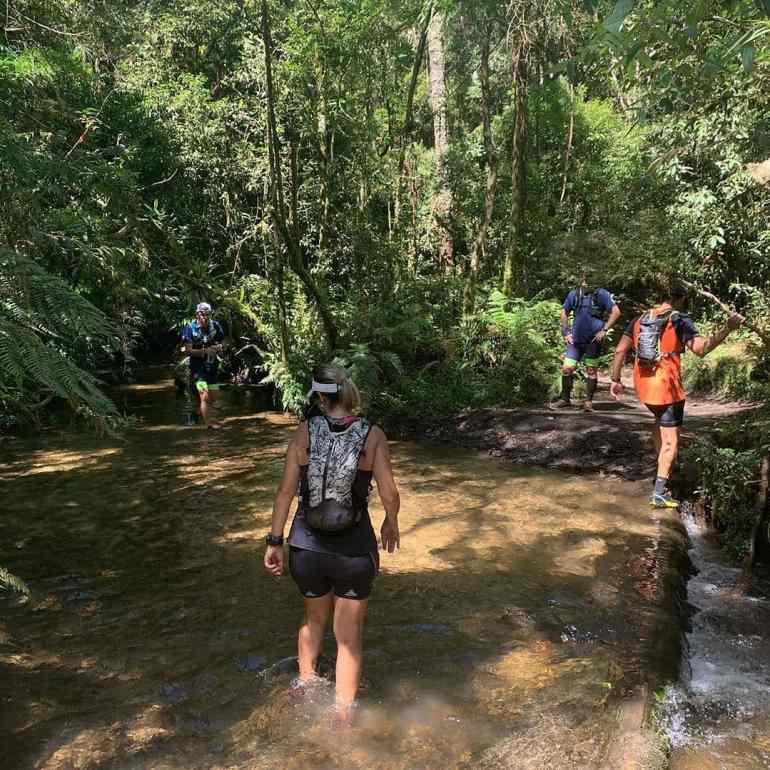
(369, 427)
(668, 317)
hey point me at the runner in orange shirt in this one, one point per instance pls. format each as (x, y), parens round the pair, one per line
(659, 338)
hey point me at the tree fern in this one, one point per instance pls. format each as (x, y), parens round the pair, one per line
(43, 323)
(369, 369)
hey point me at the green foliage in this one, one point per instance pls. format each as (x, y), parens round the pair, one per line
(727, 484)
(45, 330)
(730, 370)
(505, 355)
(289, 379)
(134, 170)
(728, 462)
(372, 372)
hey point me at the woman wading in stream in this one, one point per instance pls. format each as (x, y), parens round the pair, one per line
(333, 552)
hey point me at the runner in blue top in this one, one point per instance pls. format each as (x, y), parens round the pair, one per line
(589, 308)
(203, 342)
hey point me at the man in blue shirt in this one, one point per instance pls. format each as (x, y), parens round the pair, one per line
(589, 308)
(203, 342)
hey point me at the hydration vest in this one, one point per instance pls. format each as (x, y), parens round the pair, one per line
(651, 328)
(589, 301)
(202, 338)
(333, 457)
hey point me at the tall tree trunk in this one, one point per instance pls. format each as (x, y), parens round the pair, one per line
(568, 147)
(419, 55)
(442, 205)
(278, 212)
(283, 324)
(480, 241)
(414, 197)
(515, 267)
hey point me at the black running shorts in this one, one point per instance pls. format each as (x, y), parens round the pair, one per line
(315, 574)
(668, 415)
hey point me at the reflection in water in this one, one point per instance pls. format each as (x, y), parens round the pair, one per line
(520, 604)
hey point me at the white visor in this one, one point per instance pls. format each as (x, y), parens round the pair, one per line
(323, 387)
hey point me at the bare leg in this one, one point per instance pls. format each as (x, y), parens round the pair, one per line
(349, 617)
(204, 407)
(208, 398)
(311, 633)
(669, 448)
(656, 439)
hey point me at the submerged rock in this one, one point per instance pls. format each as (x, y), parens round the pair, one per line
(250, 662)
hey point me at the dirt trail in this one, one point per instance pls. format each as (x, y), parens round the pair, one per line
(614, 440)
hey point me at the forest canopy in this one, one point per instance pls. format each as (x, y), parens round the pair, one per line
(410, 186)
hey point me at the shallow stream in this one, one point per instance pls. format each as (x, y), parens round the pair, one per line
(718, 716)
(522, 606)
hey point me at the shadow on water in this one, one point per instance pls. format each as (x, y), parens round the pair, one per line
(520, 604)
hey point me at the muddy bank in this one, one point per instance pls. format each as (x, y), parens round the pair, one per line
(614, 440)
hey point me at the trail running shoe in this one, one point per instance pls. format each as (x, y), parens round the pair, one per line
(560, 403)
(663, 501)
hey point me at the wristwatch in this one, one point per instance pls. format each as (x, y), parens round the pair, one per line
(274, 539)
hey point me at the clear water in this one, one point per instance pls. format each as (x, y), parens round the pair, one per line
(718, 715)
(521, 606)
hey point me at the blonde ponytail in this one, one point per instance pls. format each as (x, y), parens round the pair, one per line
(347, 396)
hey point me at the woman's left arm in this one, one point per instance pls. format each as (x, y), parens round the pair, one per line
(282, 502)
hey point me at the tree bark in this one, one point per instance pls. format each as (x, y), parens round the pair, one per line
(442, 205)
(568, 147)
(480, 241)
(407, 127)
(515, 267)
(278, 212)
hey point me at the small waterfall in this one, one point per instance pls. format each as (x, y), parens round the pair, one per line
(718, 714)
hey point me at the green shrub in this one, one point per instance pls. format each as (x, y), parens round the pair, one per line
(727, 371)
(727, 486)
(508, 354)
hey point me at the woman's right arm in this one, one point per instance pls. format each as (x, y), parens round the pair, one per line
(287, 489)
(386, 486)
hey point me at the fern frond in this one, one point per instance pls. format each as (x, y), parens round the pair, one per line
(49, 305)
(42, 322)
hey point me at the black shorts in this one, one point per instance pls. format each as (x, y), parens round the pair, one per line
(316, 574)
(668, 415)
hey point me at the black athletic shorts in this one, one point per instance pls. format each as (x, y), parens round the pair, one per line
(315, 574)
(668, 415)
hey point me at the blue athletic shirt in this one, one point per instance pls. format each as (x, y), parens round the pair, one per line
(198, 337)
(585, 325)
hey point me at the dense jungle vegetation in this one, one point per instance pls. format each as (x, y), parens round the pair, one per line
(412, 185)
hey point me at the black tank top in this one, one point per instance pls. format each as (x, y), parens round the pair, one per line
(357, 540)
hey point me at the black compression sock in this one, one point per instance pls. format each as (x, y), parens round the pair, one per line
(591, 384)
(566, 386)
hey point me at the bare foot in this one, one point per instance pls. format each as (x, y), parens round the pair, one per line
(343, 716)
